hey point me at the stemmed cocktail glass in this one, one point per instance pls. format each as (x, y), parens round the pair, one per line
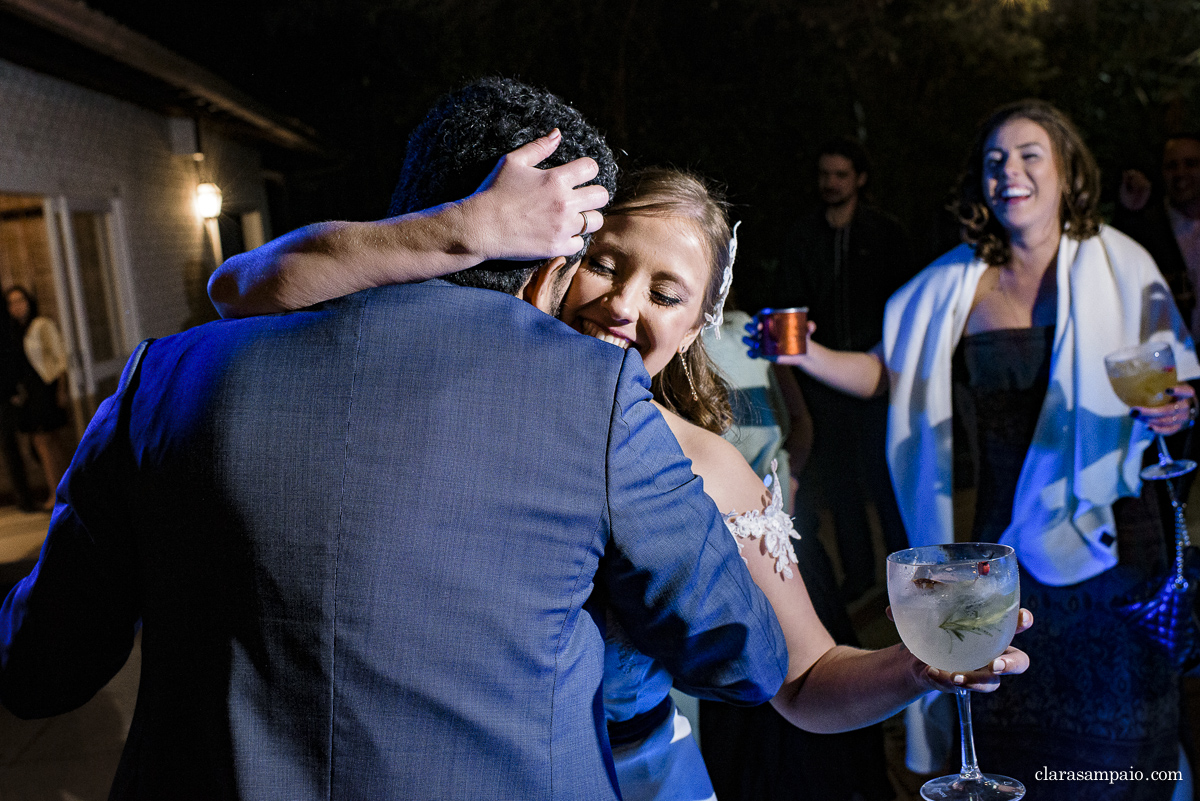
(1141, 376)
(956, 607)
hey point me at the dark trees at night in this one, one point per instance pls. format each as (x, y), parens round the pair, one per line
(742, 90)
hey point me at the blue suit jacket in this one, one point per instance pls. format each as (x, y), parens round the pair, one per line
(368, 544)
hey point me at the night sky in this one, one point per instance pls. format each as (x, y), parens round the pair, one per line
(744, 91)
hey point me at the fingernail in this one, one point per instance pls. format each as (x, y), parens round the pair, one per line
(959, 678)
(554, 133)
(933, 672)
(998, 666)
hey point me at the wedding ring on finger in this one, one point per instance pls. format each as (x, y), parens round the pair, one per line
(583, 231)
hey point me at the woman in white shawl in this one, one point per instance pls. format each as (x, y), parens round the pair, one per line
(1010, 331)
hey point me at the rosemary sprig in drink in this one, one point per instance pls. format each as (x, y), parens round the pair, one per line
(972, 617)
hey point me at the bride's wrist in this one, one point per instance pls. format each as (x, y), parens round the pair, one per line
(917, 672)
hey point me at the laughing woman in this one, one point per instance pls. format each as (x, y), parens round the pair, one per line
(1010, 331)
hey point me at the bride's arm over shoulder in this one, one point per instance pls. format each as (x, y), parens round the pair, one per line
(740, 495)
(521, 212)
(828, 687)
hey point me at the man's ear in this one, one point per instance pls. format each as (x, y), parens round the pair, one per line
(547, 286)
(861, 180)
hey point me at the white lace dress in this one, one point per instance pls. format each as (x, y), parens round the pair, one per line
(665, 763)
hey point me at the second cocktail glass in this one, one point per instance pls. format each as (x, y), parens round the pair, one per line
(1141, 376)
(956, 607)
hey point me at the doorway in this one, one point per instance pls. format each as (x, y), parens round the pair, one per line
(67, 251)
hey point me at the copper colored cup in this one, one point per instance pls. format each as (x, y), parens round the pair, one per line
(785, 332)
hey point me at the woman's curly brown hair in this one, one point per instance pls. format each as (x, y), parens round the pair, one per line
(1078, 175)
(669, 192)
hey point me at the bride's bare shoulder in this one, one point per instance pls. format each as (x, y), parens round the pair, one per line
(728, 479)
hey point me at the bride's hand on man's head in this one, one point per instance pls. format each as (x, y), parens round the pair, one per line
(524, 213)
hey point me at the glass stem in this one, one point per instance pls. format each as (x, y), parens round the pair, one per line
(1163, 456)
(970, 768)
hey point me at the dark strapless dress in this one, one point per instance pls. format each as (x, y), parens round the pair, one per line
(1095, 697)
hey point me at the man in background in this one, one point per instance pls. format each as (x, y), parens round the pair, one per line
(843, 262)
(1169, 230)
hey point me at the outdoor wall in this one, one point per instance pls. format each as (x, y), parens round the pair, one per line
(57, 138)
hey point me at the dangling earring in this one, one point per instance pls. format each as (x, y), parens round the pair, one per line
(687, 371)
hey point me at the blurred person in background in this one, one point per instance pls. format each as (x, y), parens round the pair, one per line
(1169, 230)
(41, 397)
(754, 752)
(13, 366)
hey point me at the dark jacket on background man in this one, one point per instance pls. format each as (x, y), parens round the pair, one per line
(845, 276)
(1151, 228)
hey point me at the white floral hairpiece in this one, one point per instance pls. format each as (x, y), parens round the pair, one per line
(717, 316)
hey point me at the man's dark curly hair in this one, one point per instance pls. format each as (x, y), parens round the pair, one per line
(460, 140)
(1078, 176)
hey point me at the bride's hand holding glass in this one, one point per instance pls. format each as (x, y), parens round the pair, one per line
(1012, 662)
(955, 607)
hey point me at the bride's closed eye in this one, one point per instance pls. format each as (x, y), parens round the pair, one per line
(664, 299)
(599, 266)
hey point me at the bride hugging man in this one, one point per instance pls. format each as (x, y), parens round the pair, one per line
(654, 275)
(382, 547)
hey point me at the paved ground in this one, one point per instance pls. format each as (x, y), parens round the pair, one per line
(70, 757)
(21, 534)
(73, 757)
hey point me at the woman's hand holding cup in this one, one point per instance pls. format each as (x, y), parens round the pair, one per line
(779, 335)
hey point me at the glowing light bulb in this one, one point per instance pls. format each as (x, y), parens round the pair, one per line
(208, 201)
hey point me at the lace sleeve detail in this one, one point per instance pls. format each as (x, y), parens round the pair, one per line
(772, 525)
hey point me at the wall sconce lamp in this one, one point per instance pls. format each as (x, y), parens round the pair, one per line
(208, 208)
(208, 201)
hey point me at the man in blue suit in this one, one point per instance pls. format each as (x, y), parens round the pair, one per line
(369, 544)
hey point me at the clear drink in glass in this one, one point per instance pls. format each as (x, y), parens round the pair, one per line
(956, 608)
